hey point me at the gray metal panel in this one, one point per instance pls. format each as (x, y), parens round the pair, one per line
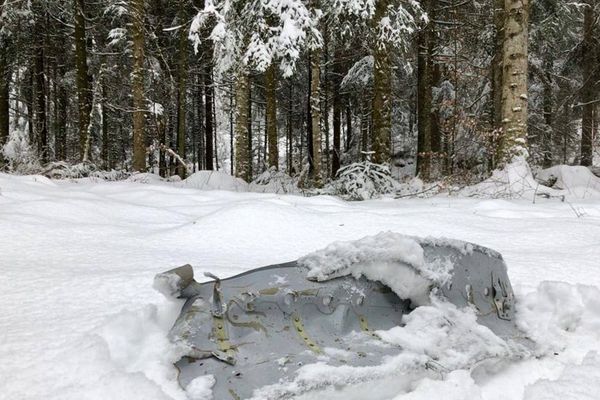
(258, 327)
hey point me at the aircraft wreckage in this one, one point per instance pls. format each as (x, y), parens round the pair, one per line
(259, 327)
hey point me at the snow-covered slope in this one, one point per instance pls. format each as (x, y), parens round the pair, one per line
(79, 318)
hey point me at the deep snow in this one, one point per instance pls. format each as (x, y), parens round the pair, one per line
(79, 318)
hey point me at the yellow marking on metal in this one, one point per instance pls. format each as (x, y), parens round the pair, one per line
(269, 291)
(364, 326)
(308, 292)
(220, 333)
(302, 333)
(234, 395)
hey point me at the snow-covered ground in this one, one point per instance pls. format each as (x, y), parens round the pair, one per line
(79, 318)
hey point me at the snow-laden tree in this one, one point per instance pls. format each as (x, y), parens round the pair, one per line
(255, 35)
(14, 16)
(554, 63)
(387, 27)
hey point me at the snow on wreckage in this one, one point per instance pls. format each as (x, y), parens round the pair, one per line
(387, 305)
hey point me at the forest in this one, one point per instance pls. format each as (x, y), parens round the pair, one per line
(439, 89)
(299, 199)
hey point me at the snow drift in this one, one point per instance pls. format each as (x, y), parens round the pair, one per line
(215, 180)
(80, 319)
(394, 259)
(575, 181)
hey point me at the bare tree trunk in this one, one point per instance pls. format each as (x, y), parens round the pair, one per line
(514, 81)
(4, 99)
(496, 72)
(208, 113)
(84, 95)
(424, 103)
(382, 93)
(231, 110)
(325, 102)
(242, 155)
(214, 119)
(106, 139)
(181, 92)
(271, 115)
(315, 113)
(139, 103)
(433, 80)
(200, 111)
(62, 103)
(349, 132)
(587, 91)
(365, 108)
(250, 140)
(309, 127)
(547, 109)
(337, 115)
(289, 148)
(162, 140)
(41, 121)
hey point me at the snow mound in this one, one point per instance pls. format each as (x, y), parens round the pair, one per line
(576, 382)
(514, 181)
(273, 181)
(557, 309)
(145, 177)
(577, 181)
(415, 187)
(394, 259)
(80, 171)
(201, 388)
(29, 180)
(138, 344)
(215, 180)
